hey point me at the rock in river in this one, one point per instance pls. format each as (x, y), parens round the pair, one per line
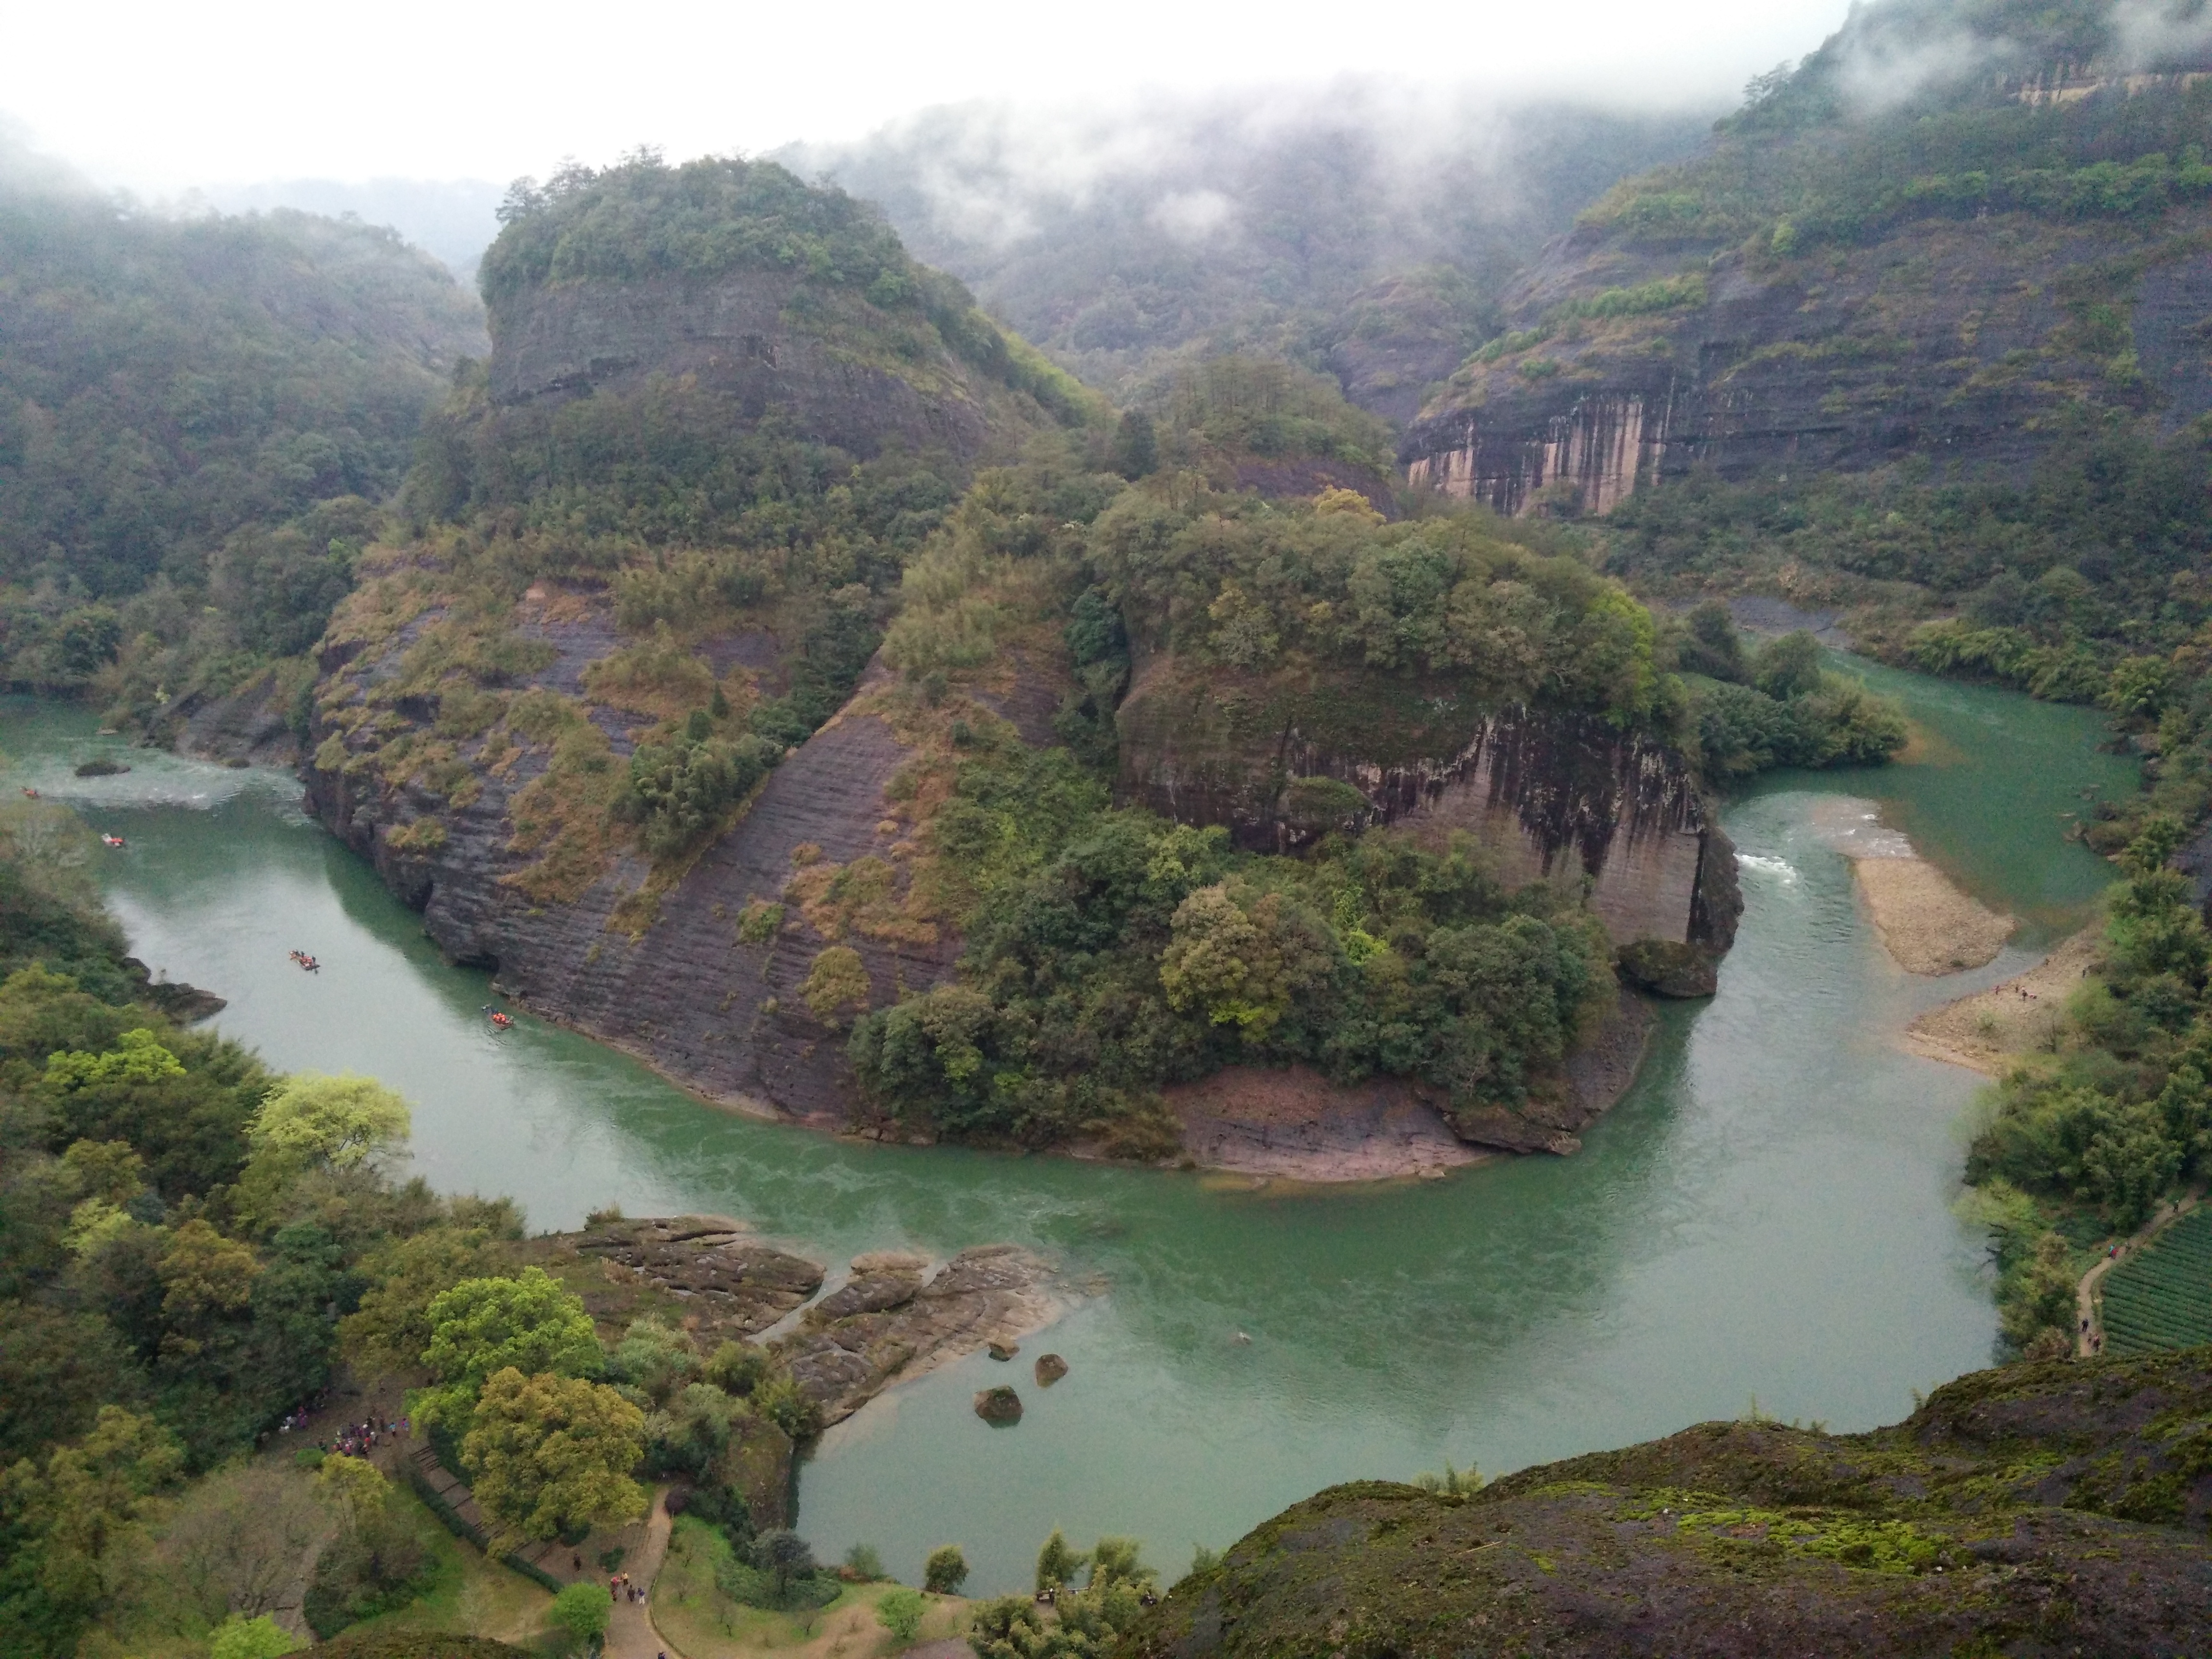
(999, 1405)
(1051, 1368)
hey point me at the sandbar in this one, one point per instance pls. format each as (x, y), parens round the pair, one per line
(1987, 1030)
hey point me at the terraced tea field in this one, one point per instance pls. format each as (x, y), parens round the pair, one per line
(2163, 1299)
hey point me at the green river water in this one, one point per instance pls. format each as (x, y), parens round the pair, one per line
(1767, 1215)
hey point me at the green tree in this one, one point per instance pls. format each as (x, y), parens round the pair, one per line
(901, 1612)
(337, 1121)
(786, 1555)
(547, 1453)
(392, 1327)
(946, 1571)
(1058, 1563)
(1787, 667)
(583, 1610)
(528, 1323)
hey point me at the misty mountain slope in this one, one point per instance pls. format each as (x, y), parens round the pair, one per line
(195, 416)
(1970, 232)
(1356, 237)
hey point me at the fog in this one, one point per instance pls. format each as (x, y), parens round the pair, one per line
(164, 98)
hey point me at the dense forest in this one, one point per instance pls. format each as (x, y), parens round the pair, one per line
(199, 419)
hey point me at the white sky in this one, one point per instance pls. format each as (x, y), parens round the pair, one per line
(159, 96)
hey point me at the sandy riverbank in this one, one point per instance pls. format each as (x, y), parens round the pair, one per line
(1925, 922)
(1987, 1030)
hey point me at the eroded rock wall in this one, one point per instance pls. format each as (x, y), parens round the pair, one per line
(1960, 340)
(710, 1011)
(1551, 796)
(738, 338)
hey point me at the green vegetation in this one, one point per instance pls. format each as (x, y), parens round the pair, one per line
(196, 415)
(1683, 292)
(2085, 1141)
(1777, 707)
(1082, 1622)
(1784, 1539)
(643, 220)
(1805, 161)
(188, 1242)
(2162, 1297)
(2083, 585)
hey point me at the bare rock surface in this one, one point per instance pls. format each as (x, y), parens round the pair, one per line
(1291, 1123)
(736, 1285)
(888, 1324)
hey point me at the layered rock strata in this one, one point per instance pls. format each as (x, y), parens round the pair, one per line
(1549, 796)
(1961, 340)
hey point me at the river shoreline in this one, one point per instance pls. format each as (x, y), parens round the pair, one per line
(1987, 1030)
(1289, 1125)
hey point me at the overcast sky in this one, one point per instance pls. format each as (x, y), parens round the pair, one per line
(158, 97)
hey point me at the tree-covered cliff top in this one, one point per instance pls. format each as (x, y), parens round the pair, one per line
(642, 221)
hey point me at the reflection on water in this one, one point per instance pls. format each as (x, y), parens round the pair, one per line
(1767, 1213)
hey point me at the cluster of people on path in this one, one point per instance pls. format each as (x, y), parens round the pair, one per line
(355, 1439)
(307, 962)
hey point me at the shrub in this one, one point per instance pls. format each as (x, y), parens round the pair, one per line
(900, 1612)
(946, 1571)
(583, 1610)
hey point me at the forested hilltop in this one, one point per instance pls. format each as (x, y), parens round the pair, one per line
(791, 673)
(199, 419)
(1365, 239)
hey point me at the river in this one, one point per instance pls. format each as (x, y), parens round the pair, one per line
(1766, 1217)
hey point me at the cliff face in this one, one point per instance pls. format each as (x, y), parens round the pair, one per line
(751, 338)
(1550, 796)
(1967, 341)
(672, 979)
(2044, 1509)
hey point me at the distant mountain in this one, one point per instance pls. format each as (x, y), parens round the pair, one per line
(1353, 236)
(454, 219)
(1971, 230)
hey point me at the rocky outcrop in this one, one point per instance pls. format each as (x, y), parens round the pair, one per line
(894, 1320)
(252, 725)
(1282, 760)
(720, 1014)
(739, 339)
(1293, 1124)
(895, 1316)
(1960, 340)
(2054, 1507)
(730, 1284)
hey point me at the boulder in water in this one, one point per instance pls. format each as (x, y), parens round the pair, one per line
(102, 768)
(1666, 968)
(1001, 1405)
(1003, 1350)
(1051, 1368)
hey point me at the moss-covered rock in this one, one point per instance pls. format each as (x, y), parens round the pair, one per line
(1668, 967)
(2037, 1509)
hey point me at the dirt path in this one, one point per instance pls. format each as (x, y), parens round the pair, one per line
(2089, 1313)
(631, 1633)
